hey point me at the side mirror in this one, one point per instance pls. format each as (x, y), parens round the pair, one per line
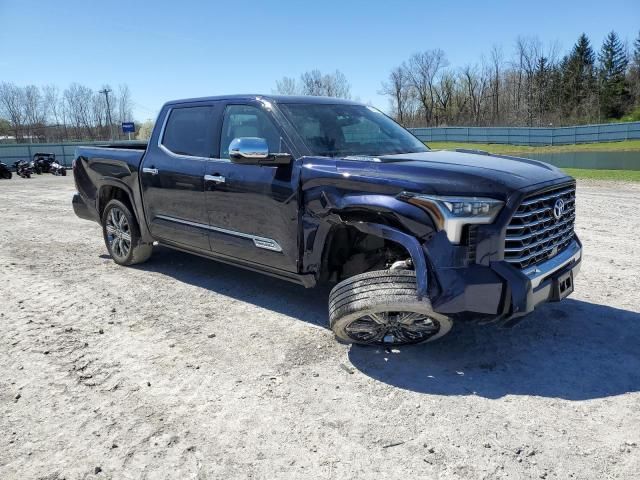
(255, 151)
(248, 148)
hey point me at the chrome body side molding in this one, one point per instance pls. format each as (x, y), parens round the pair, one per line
(259, 242)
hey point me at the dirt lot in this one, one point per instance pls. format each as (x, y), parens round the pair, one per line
(186, 368)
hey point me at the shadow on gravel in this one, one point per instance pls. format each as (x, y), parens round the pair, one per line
(267, 292)
(572, 350)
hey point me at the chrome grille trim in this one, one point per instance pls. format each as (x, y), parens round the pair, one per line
(534, 235)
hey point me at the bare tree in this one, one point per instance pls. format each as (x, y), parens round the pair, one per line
(422, 71)
(34, 112)
(286, 86)
(496, 67)
(315, 83)
(336, 85)
(79, 102)
(397, 87)
(474, 82)
(124, 103)
(12, 107)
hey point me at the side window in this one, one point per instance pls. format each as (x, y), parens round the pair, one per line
(188, 131)
(248, 121)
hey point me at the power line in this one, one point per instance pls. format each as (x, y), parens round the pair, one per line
(106, 91)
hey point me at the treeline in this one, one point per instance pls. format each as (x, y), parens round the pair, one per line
(533, 87)
(46, 114)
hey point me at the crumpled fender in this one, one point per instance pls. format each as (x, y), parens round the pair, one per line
(407, 241)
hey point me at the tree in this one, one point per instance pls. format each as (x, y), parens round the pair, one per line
(579, 78)
(397, 87)
(12, 107)
(496, 66)
(422, 71)
(315, 83)
(124, 107)
(614, 91)
(144, 131)
(634, 71)
(286, 86)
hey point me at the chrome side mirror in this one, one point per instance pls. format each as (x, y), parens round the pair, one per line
(248, 148)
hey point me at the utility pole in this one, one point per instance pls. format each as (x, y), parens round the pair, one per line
(106, 91)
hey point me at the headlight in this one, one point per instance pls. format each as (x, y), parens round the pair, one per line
(452, 213)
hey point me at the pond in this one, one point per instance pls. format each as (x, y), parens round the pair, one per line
(595, 160)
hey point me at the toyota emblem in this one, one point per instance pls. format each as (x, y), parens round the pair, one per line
(558, 209)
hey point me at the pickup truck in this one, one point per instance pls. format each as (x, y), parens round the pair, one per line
(320, 190)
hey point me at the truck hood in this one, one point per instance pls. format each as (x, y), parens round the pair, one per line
(434, 172)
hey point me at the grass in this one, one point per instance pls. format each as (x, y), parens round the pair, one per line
(587, 173)
(624, 146)
(582, 173)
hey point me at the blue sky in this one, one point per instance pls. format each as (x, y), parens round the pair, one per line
(174, 49)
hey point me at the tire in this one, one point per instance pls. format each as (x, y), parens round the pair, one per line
(122, 235)
(7, 175)
(63, 172)
(382, 308)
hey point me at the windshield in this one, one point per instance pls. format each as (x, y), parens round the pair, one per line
(345, 130)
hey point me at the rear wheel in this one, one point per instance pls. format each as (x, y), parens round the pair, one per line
(382, 307)
(122, 235)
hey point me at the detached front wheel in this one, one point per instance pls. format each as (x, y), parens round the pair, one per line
(122, 235)
(382, 307)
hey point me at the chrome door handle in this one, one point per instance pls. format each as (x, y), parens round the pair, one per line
(214, 178)
(152, 171)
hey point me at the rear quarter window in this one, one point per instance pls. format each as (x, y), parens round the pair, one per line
(189, 131)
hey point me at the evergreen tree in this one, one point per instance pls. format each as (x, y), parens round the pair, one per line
(634, 71)
(614, 92)
(579, 77)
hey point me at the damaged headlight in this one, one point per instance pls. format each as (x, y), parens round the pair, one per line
(451, 214)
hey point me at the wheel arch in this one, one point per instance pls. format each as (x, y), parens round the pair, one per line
(378, 216)
(111, 189)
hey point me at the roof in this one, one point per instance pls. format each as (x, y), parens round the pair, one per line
(271, 98)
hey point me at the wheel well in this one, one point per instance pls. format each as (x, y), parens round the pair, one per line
(108, 193)
(349, 252)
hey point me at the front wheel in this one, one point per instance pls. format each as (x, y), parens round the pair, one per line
(122, 235)
(382, 308)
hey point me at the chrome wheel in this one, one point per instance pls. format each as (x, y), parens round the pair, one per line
(393, 328)
(118, 233)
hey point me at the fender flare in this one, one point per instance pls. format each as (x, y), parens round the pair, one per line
(135, 205)
(407, 241)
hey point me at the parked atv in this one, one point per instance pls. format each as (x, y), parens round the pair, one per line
(23, 168)
(4, 171)
(43, 161)
(56, 169)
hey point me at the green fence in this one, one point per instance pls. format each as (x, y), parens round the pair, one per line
(608, 132)
(10, 153)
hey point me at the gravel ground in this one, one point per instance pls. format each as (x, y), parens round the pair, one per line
(186, 368)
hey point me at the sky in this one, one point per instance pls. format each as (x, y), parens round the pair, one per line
(165, 50)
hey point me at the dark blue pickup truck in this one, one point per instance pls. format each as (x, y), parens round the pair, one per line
(314, 190)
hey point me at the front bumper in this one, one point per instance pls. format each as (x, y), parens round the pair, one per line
(503, 293)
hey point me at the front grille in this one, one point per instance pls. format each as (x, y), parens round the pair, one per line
(534, 233)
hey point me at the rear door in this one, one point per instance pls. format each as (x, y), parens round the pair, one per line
(172, 175)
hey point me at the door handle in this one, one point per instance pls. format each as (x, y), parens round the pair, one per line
(214, 178)
(152, 171)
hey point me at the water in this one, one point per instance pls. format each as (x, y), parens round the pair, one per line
(595, 160)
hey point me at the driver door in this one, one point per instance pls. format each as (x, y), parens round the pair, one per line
(252, 209)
